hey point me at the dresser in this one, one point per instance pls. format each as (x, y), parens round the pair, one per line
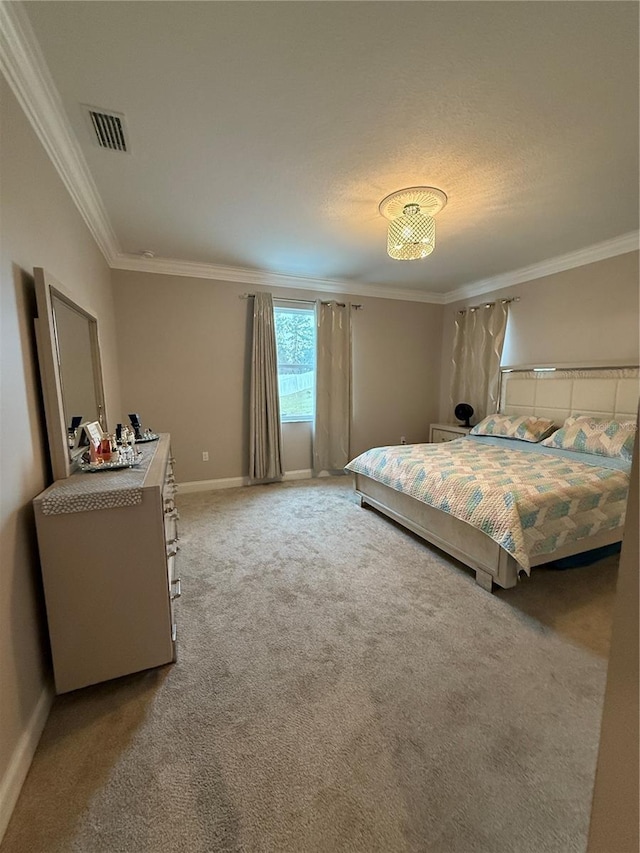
(447, 432)
(108, 543)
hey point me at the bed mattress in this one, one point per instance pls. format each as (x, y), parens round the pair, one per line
(531, 500)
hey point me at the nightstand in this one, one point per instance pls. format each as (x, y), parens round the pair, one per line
(447, 432)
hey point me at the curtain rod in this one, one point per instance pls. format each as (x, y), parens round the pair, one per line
(488, 304)
(305, 301)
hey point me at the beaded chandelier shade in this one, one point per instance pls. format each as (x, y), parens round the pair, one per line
(412, 229)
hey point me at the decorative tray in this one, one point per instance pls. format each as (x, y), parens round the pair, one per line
(152, 437)
(91, 468)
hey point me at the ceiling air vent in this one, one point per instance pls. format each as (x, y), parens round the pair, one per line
(108, 128)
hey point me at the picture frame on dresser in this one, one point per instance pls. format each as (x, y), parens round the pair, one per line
(87, 433)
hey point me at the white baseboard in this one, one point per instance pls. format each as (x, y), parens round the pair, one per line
(235, 482)
(16, 773)
(210, 485)
(303, 474)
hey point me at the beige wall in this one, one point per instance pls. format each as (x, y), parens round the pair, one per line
(184, 344)
(40, 227)
(582, 315)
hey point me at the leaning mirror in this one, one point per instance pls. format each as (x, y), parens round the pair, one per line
(70, 369)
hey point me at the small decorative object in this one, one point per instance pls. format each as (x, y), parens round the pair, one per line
(136, 423)
(88, 433)
(76, 420)
(127, 436)
(147, 435)
(463, 412)
(125, 456)
(140, 434)
(93, 467)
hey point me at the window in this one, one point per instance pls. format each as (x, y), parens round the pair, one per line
(296, 347)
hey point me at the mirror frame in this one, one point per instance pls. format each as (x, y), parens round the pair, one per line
(63, 459)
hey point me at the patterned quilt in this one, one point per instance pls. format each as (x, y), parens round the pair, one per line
(529, 503)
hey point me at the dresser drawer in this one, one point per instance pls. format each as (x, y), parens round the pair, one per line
(447, 432)
(438, 435)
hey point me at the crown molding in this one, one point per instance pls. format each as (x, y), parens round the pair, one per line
(28, 76)
(191, 269)
(598, 252)
(167, 266)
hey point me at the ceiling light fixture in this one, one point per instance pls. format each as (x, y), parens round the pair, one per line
(412, 228)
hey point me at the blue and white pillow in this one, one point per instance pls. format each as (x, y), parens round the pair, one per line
(601, 436)
(522, 427)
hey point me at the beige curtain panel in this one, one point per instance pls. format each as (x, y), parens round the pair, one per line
(332, 425)
(477, 349)
(265, 437)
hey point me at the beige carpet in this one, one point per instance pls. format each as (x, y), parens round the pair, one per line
(341, 687)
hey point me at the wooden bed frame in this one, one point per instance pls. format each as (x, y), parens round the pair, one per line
(597, 391)
(491, 563)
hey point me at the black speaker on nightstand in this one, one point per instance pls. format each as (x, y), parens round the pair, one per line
(463, 412)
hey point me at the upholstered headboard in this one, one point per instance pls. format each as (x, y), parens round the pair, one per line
(558, 393)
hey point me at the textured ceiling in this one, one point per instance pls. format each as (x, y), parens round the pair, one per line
(264, 134)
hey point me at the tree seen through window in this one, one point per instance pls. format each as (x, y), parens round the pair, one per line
(296, 349)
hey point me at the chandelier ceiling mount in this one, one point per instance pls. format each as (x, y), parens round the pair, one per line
(412, 229)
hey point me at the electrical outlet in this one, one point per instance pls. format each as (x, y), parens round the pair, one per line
(403, 440)
(205, 455)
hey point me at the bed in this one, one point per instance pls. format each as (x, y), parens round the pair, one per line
(504, 506)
